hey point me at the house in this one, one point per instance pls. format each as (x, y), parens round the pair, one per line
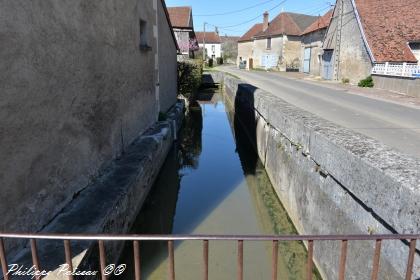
(312, 40)
(75, 93)
(246, 45)
(278, 43)
(379, 37)
(212, 43)
(183, 27)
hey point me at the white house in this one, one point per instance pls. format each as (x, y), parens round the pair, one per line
(213, 43)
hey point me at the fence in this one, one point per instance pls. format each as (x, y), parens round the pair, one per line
(410, 70)
(136, 239)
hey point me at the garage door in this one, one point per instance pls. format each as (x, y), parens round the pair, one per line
(269, 61)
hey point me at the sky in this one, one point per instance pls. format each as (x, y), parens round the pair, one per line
(234, 17)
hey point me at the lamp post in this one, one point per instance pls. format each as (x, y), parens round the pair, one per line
(204, 42)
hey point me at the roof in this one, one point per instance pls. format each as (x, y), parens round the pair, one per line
(226, 39)
(248, 36)
(388, 26)
(180, 17)
(210, 37)
(289, 24)
(321, 23)
(165, 8)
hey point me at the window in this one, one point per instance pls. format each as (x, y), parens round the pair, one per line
(268, 43)
(144, 40)
(213, 48)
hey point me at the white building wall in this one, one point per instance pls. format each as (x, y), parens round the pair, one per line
(213, 50)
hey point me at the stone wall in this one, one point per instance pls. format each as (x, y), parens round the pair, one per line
(76, 90)
(403, 85)
(334, 181)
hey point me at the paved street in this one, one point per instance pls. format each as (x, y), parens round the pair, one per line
(395, 125)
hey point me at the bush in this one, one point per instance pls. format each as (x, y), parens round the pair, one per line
(220, 60)
(368, 82)
(189, 78)
(210, 64)
(345, 80)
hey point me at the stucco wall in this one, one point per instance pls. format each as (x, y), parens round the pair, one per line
(75, 89)
(260, 49)
(409, 86)
(313, 41)
(355, 63)
(168, 67)
(217, 50)
(245, 50)
(292, 51)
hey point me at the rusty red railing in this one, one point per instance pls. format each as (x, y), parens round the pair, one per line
(240, 239)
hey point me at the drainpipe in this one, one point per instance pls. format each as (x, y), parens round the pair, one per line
(157, 70)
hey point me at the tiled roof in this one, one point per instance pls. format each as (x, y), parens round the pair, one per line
(229, 39)
(389, 25)
(180, 17)
(321, 23)
(257, 28)
(289, 24)
(211, 37)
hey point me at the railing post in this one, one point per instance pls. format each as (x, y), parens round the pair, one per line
(386, 68)
(35, 258)
(343, 258)
(240, 275)
(171, 268)
(404, 69)
(376, 260)
(3, 260)
(206, 259)
(275, 259)
(310, 263)
(137, 267)
(67, 253)
(102, 259)
(410, 262)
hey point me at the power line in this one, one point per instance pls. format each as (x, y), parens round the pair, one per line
(248, 21)
(234, 12)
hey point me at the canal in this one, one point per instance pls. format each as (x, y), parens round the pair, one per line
(213, 183)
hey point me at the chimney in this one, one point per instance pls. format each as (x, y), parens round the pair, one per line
(265, 23)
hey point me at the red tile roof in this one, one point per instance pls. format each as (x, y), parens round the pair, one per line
(389, 25)
(210, 37)
(289, 24)
(321, 23)
(248, 36)
(180, 17)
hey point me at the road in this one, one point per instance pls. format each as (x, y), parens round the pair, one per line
(395, 125)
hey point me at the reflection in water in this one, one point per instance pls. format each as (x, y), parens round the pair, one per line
(213, 183)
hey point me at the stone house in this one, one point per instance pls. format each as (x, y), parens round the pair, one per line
(183, 27)
(278, 44)
(374, 37)
(312, 40)
(212, 42)
(246, 45)
(79, 82)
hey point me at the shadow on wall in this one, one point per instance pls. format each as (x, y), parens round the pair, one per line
(245, 127)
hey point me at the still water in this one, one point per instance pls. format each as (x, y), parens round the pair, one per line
(213, 183)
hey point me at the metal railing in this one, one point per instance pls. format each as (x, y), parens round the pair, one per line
(411, 70)
(240, 239)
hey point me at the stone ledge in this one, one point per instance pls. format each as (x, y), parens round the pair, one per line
(111, 203)
(382, 184)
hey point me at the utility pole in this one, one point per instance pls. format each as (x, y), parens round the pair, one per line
(204, 42)
(338, 40)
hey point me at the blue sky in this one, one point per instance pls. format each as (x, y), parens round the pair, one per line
(238, 23)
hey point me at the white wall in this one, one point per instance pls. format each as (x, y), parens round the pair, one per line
(217, 50)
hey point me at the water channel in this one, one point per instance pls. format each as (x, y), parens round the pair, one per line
(214, 183)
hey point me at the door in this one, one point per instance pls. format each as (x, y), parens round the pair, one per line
(269, 61)
(307, 61)
(328, 65)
